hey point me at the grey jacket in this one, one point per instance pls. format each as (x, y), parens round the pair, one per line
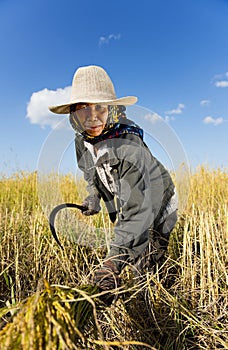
(134, 184)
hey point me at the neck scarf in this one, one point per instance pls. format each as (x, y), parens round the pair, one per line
(116, 125)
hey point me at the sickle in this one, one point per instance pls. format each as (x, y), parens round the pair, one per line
(54, 213)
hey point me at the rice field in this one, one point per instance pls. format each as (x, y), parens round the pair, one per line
(47, 300)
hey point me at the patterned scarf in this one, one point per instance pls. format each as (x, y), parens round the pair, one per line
(116, 125)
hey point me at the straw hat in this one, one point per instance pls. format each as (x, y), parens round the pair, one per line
(91, 84)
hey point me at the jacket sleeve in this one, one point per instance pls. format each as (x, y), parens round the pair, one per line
(140, 192)
(86, 165)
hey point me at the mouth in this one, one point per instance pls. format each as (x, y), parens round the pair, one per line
(94, 130)
(93, 127)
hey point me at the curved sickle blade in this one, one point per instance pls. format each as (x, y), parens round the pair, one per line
(54, 213)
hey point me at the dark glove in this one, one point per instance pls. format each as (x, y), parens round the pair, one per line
(107, 278)
(91, 205)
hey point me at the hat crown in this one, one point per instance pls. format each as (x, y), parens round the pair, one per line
(92, 83)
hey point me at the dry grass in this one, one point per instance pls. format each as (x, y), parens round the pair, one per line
(47, 301)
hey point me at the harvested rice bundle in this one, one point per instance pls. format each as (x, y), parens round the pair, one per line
(51, 319)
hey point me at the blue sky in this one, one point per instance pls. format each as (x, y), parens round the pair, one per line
(171, 54)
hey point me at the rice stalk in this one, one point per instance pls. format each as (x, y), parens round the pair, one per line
(51, 319)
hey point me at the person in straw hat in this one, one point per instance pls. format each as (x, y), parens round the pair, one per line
(119, 168)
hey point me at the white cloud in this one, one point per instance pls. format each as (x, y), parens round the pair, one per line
(177, 110)
(222, 83)
(221, 80)
(153, 117)
(37, 107)
(214, 121)
(205, 102)
(168, 118)
(106, 39)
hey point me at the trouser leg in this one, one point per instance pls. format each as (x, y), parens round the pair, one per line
(157, 247)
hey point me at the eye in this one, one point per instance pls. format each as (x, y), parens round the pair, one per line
(101, 108)
(81, 106)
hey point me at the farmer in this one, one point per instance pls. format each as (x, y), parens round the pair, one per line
(119, 168)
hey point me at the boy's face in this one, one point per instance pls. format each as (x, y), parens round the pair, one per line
(92, 117)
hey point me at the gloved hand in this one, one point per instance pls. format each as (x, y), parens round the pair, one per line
(91, 204)
(107, 278)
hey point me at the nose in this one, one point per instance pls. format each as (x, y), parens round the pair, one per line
(92, 113)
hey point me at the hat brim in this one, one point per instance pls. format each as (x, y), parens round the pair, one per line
(65, 108)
